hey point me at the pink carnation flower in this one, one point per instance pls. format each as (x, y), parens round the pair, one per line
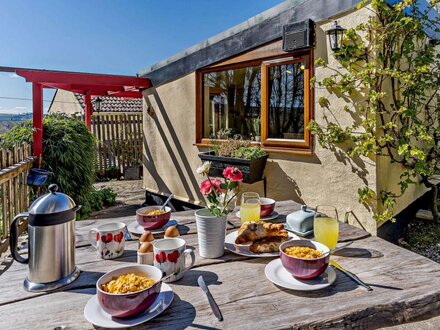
(208, 185)
(232, 173)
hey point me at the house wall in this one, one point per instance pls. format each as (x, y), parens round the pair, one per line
(326, 177)
(65, 102)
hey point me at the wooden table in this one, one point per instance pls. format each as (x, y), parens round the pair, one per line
(406, 287)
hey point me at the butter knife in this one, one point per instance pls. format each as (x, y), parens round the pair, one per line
(351, 275)
(211, 300)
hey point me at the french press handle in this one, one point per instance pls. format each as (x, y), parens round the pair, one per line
(13, 238)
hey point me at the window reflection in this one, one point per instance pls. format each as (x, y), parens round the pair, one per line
(231, 102)
(286, 101)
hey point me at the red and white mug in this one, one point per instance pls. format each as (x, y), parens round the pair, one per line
(169, 257)
(108, 239)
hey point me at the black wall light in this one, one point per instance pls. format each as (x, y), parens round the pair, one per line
(335, 35)
(97, 104)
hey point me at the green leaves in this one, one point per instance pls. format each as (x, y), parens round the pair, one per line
(251, 152)
(68, 151)
(388, 81)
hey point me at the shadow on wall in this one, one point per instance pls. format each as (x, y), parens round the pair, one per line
(149, 164)
(280, 186)
(358, 165)
(173, 148)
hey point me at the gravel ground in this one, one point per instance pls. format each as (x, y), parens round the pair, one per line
(422, 237)
(130, 196)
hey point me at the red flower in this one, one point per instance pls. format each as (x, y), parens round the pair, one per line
(161, 257)
(97, 236)
(107, 238)
(173, 256)
(118, 237)
(208, 185)
(232, 173)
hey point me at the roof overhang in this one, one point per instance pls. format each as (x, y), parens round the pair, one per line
(93, 84)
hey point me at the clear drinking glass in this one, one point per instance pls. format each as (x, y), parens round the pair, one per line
(325, 226)
(250, 207)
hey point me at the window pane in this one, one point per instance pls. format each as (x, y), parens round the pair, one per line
(286, 101)
(231, 103)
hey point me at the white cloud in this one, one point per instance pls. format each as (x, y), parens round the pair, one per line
(13, 75)
(20, 108)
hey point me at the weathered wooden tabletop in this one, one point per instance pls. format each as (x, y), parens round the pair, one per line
(406, 287)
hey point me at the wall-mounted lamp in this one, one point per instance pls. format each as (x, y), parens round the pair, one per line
(335, 35)
(97, 104)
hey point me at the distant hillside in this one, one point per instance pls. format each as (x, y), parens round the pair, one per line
(8, 120)
(5, 125)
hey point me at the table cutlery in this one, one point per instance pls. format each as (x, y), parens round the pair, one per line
(211, 300)
(166, 202)
(351, 275)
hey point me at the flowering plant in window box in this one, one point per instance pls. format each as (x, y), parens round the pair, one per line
(249, 159)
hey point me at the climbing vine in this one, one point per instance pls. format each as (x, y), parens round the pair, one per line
(388, 74)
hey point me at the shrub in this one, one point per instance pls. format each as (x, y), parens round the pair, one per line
(68, 152)
(102, 197)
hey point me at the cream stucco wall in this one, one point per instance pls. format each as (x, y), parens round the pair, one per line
(65, 102)
(326, 177)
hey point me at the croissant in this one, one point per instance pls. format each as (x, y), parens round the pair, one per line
(252, 231)
(268, 244)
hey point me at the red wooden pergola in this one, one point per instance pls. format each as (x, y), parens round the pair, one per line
(88, 84)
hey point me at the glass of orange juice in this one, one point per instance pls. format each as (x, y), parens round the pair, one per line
(325, 226)
(250, 207)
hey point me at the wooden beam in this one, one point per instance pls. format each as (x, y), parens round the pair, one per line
(44, 76)
(37, 119)
(88, 110)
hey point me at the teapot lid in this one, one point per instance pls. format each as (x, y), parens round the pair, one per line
(52, 202)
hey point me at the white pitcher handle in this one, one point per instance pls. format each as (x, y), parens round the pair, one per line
(92, 237)
(193, 259)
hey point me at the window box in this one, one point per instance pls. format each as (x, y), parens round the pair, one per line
(252, 169)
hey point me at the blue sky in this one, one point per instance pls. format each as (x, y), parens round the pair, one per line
(105, 36)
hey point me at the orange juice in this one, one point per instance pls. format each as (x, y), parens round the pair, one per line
(250, 212)
(326, 231)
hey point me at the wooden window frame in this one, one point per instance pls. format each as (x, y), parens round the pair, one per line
(304, 143)
(303, 147)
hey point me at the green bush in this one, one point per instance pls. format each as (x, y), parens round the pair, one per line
(101, 197)
(68, 151)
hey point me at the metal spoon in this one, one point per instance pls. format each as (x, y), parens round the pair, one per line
(166, 202)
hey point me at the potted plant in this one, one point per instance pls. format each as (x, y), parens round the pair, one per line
(132, 165)
(224, 133)
(113, 172)
(256, 125)
(249, 159)
(211, 221)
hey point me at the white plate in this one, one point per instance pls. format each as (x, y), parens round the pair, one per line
(271, 216)
(137, 229)
(96, 315)
(277, 274)
(244, 249)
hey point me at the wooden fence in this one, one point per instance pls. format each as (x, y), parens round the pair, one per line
(119, 137)
(14, 193)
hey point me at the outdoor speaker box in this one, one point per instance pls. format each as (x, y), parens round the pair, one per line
(300, 35)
